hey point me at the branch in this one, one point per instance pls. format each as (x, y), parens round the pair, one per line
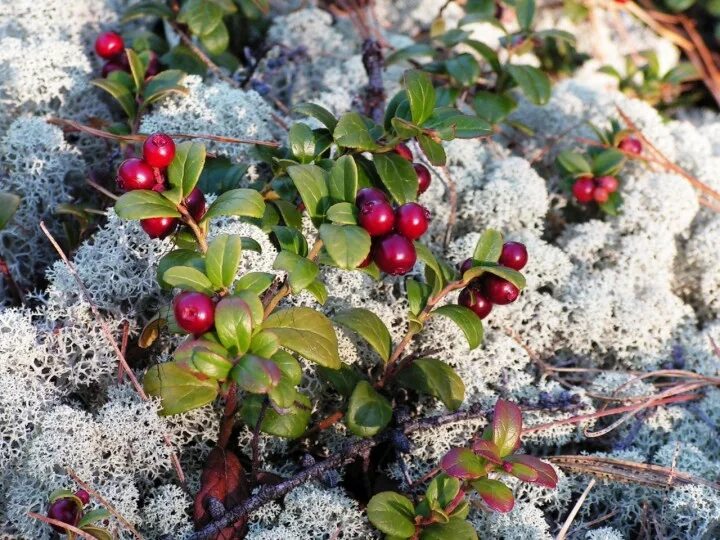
(372, 59)
(57, 522)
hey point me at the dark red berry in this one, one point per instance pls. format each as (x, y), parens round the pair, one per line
(608, 183)
(411, 220)
(153, 67)
(377, 218)
(394, 254)
(65, 510)
(109, 44)
(466, 265)
(472, 298)
(514, 255)
(369, 194)
(159, 227)
(194, 312)
(134, 173)
(158, 150)
(366, 262)
(631, 145)
(498, 290)
(83, 495)
(600, 195)
(110, 66)
(423, 177)
(402, 150)
(195, 203)
(583, 189)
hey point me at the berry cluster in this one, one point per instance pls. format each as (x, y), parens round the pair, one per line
(480, 295)
(111, 47)
(67, 509)
(421, 170)
(587, 189)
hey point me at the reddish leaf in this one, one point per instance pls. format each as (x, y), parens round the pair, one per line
(487, 450)
(507, 427)
(495, 494)
(462, 463)
(523, 472)
(546, 475)
(223, 478)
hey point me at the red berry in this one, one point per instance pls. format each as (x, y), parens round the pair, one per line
(366, 262)
(600, 195)
(608, 183)
(110, 66)
(194, 312)
(159, 227)
(402, 150)
(83, 495)
(394, 254)
(423, 177)
(583, 189)
(514, 255)
(65, 510)
(466, 265)
(134, 173)
(369, 194)
(195, 203)
(109, 44)
(158, 150)
(631, 145)
(411, 220)
(498, 290)
(377, 218)
(471, 298)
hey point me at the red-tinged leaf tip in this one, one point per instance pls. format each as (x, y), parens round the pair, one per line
(495, 494)
(487, 450)
(523, 472)
(462, 463)
(546, 475)
(507, 426)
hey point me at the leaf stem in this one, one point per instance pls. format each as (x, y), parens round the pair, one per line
(197, 231)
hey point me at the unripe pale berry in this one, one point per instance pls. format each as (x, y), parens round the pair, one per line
(109, 44)
(159, 150)
(471, 298)
(423, 177)
(194, 312)
(583, 189)
(514, 255)
(498, 290)
(195, 204)
(369, 194)
(631, 145)
(402, 150)
(134, 173)
(159, 227)
(377, 218)
(394, 254)
(65, 510)
(608, 183)
(411, 220)
(600, 195)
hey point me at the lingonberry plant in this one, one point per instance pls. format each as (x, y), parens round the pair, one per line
(69, 507)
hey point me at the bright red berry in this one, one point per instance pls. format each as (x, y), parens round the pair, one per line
(83, 495)
(394, 254)
(369, 194)
(471, 298)
(608, 183)
(134, 173)
(514, 255)
(158, 150)
(583, 189)
(600, 195)
(423, 177)
(412, 220)
(65, 510)
(377, 218)
(498, 290)
(110, 66)
(159, 227)
(466, 265)
(194, 312)
(109, 44)
(403, 150)
(195, 203)
(631, 145)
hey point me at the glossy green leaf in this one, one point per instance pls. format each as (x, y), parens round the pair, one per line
(201, 16)
(217, 40)
(609, 162)
(436, 378)
(343, 182)
(433, 272)
(164, 83)
(291, 240)
(434, 151)
(137, 70)
(255, 375)
(120, 92)
(257, 282)
(489, 246)
(288, 366)
(574, 164)
(369, 327)
(233, 324)
(352, 132)
(302, 142)
(178, 389)
(210, 363)
(97, 532)
(143, 9)
(237, 202)
(466, 319)
(311, 182)
(417, 294)
(495, 494)
(398, 176)
(93, 516)
(534, 83)
(9, 203)
(416, 50)
(316, 111)
(188, 278)
(513, 276)
(493, 107)
(392, 514)
(290, 425)
(463, 68)
(301, 271)
(457, 529)
(347, 245)
(368, 412)
(462, 463)
(487, 52)
(141, 204)
(420, 95)
(184, 171)
(525, 12)
(506, 427)
(222, 259)
(343, 380)
(442, 490)
(344, 213)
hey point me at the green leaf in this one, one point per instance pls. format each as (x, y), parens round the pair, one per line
(311, 182)
(449, 124)
(412, 51)
(141, 204)
(201, 16)
(318, 290)
(456, 528)
(164, 83)
(301, 271)
(525, 12)
(573, 163)
(188, 278)
(178, 389)
(368, 412)
(434, 151)
(418, 294)
(347, 245)
(217, 40)
(316, 111)
(290, 424)
(495, 494)
(392, 514)
(236, 202)
(436, 378)
(398, 176)
(609, 162)
(463, 68)
(369, 327)
(184, 171)
(534, 83)
(352, 132)
(93, 516)
(302, 142)
(544, 474)
(143, 9)
(265, 344)
(9, 203)
(306, 332)
(442, 490)
(343, 182)
(506, 427)
(513, 276)
(432, 269)
(211, 363)
(222, 259)
(493, 107)
(289, 367)
(137, 70)
(344, 213)
(120, 92)
(466, 319)
(233, 324)
(291, 240)
(612, 205)
(489, 246)
(487, 52)
(97, 532)
(178, 257)
(420, 95)
(256, 375)
(256, 282)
